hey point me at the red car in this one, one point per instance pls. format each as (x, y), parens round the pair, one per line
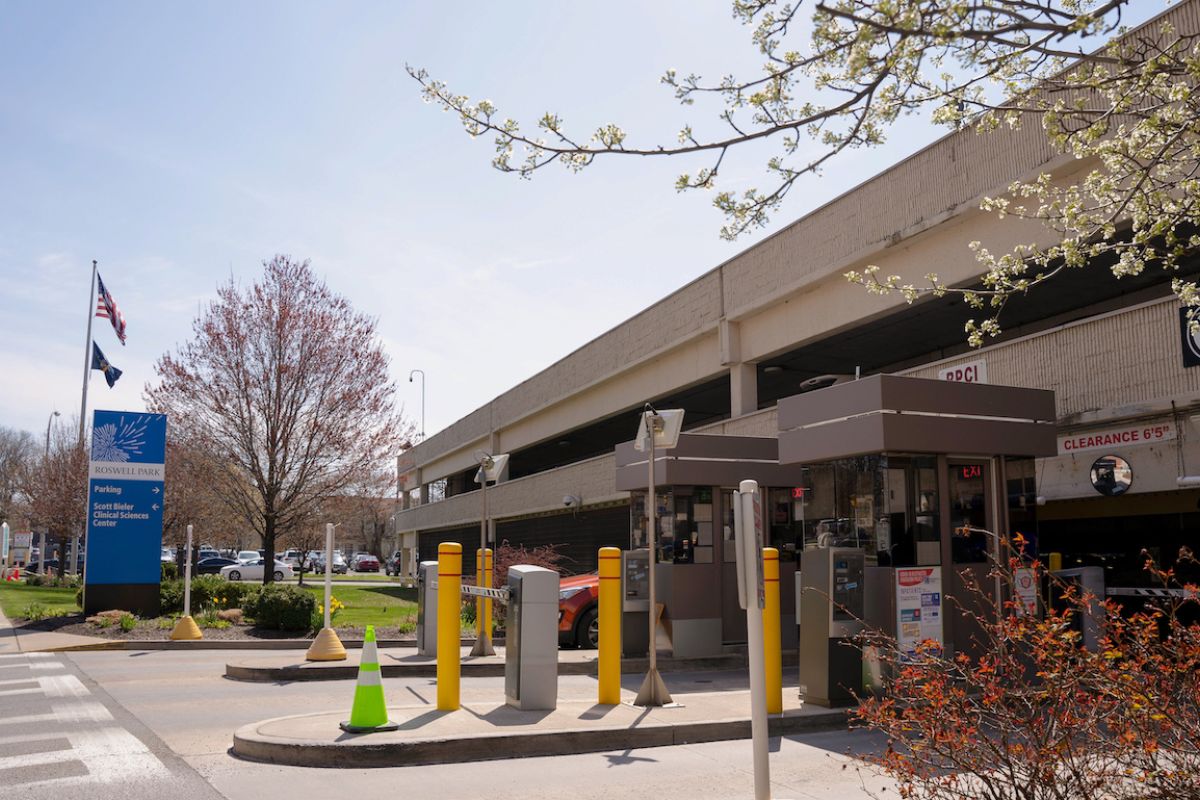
(366, 563)
(578, 613)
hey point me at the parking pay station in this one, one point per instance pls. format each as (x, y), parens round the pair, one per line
(832, 607)
(427, 608)
(531, 639)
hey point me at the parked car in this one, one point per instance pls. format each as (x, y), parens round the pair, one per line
(208, 552)
(246, 556)
(339, 566)
(212, 566)
(578, 611)
(365, 562)
(393, 564)
(292, 558)
(51, 565)
(254, 571)
(168, 554)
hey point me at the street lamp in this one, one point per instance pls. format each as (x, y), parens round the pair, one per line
(48, 421)
(491, 468)
(420, 372)
(657, 429)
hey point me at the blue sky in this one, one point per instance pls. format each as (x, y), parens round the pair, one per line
(179, 144)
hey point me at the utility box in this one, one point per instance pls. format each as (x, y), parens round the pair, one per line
(831, 600)
(427, 608)
(531, 639)
(635, 603)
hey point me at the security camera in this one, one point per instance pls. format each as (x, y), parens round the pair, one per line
(570, 500)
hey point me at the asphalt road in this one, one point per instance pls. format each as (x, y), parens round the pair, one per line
(141, 724)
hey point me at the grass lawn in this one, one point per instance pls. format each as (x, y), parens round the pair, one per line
(390, 606)
(16, 598)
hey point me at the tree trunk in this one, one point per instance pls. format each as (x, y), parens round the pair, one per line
(269, 549)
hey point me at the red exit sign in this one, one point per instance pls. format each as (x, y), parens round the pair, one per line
(798, 493)
(970, 471)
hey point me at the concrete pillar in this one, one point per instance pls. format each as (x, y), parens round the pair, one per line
(743, 389)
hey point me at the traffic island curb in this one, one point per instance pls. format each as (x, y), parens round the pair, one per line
(273, 741)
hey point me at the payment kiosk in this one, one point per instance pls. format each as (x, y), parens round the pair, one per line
(832, 608)
(427, 608)
(531, 639)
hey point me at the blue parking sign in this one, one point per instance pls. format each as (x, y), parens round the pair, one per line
(125, 511)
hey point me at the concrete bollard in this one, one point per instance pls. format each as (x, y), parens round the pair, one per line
(772, 649)
(609, 669)
(449, 622)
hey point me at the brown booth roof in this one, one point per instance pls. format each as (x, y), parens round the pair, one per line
(706, 460)
(890, 413)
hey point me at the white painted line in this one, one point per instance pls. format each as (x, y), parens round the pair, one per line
(64, 714)
(12, 692)
(18, 680)
(27, 655)
(110, 755)
(63, 686)
(38, 664)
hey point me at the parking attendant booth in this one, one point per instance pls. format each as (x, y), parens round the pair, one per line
(920, 476)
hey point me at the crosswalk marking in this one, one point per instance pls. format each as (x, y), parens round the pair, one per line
(84, 747)
(64, 714)
(110, 755)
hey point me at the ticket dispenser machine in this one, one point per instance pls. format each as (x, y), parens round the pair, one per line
(531, 639)
(831, 613)
(427, 608)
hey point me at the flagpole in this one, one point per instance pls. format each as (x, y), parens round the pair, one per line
(87, 351)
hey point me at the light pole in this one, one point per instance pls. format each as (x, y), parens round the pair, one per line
(491, 467)
(48, 421)
(420, 372)
(657, 429)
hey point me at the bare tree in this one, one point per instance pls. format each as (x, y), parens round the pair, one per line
(837, 74)
(57, 489)
(288, 388)
(191, 497)
(17, 456)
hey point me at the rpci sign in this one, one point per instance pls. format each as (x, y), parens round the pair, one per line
(970, 372)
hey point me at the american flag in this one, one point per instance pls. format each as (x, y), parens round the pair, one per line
(107, 307)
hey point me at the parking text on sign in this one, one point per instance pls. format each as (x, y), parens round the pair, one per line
(970, 372)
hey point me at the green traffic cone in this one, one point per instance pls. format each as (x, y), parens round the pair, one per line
(369, 712)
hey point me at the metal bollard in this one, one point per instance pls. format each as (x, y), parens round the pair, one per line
(483, 605)
(449, 621)
(772, 654)
(610, 627)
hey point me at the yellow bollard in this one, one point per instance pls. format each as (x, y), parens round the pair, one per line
(772, 655)
(610, 626)
(449, 622)
(483, 605)
(1055, 562)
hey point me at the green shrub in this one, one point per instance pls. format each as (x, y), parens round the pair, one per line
(128, 622)
(282, 607)
(35, 612)
(170, 571)
(79, 597)
(34, 580)
(170, 597)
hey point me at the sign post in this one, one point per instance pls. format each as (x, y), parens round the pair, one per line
(748, 546)
(125, 509)
(4, 534)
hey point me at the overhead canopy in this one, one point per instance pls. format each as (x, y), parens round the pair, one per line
(893, 414)
(705, 460)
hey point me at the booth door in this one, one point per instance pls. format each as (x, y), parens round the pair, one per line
(733, 618)
(970, 526)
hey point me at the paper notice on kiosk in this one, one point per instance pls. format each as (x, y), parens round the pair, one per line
(918, 608)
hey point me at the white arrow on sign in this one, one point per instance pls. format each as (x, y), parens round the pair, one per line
(155, 490)
(154, 507)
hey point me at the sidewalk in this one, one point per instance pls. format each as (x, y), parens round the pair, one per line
(20, 640)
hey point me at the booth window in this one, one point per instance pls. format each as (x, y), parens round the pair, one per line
(968, 514)
(685, 524)
(837, 505)
(907, 530)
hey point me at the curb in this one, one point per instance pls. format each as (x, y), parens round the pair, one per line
(251, 673)
(229, 644)
(250, 745)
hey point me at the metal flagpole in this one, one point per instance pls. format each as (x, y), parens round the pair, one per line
(87, 352)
